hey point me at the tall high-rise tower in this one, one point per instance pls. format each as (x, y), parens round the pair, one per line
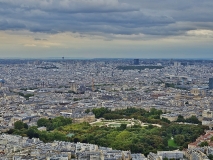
(210, 83)
(73, 86)
(136, 61)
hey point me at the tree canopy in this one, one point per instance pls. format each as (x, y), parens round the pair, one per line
(20, 125)
(136, 138)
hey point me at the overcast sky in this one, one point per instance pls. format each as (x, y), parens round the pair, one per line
(106, 28)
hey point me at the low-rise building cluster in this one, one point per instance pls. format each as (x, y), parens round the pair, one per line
(20, 148)
(47, 89)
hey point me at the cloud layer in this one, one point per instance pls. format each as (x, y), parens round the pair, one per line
(106, 28)
(108, 17)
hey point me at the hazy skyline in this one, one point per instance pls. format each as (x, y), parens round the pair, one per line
(106, 28)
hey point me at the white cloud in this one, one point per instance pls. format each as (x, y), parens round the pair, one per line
(201, 33)
(29, 45)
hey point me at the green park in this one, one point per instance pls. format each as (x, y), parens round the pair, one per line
(120, 129)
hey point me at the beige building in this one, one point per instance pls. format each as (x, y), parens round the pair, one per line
(207, 113)
(195, 155)
(171, 117)
(85, 118)
(73, 86)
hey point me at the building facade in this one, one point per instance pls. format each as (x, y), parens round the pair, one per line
(210, 83)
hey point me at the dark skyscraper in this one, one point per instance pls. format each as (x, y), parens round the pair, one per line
(210, 83)
(136, 61)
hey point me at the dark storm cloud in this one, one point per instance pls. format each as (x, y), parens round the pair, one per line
(11, 24)
(154, 17)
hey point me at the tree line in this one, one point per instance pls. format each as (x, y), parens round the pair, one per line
(136, 138)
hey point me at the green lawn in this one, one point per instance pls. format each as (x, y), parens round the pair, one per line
(70, 135)
(171, 143)
(123, 122)
(99, 124)
(114, 125)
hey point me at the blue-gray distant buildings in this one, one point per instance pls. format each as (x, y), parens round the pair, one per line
(210, 83)
(2, 82)
(136, 61)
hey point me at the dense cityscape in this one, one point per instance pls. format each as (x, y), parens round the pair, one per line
(106, 109)
(106, 80)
